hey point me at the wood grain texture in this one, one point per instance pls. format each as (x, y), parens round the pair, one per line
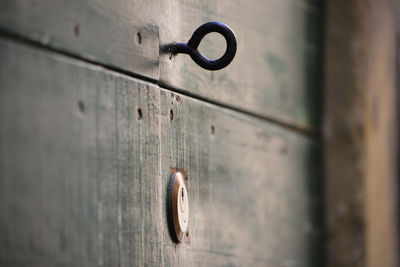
(83, 180)
(276, 69)
(80, 174)
(253, 187)
(101, 31)
(275, 73)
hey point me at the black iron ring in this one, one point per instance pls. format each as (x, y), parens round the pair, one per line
(191, 47)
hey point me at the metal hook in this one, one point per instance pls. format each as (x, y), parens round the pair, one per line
(191, 47)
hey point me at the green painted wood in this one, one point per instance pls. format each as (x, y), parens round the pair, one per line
(252, 187)
(80, 174)
(275, 73)
(276, 69)
(83, 176)
(122, 33)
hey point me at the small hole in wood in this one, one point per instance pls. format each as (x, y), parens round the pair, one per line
(81, 106)
(139, 114)
(171, 115)
(187, 234)
(212, 130)
(138, 38)
(76, 30)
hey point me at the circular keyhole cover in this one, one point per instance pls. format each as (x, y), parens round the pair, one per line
(178, 206)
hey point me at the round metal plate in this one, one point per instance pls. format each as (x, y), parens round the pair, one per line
(177, 207)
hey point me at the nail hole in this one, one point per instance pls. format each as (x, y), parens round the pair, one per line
(212, 130)
(171, 115)
(81, 106)
(76, 30)
(187, 234)
(138, 38)
(139, 114)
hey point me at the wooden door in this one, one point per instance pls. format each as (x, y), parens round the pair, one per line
(95, 115)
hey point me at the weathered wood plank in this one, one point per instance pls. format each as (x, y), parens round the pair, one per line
(83, 180)
(276, 69)
(123, 33)
(79, 171)
(250, 185)
(275, 73)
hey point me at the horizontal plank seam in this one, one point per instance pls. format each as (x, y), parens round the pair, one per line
(312, 133)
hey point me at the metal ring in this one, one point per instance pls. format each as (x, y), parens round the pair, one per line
(191, 47)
